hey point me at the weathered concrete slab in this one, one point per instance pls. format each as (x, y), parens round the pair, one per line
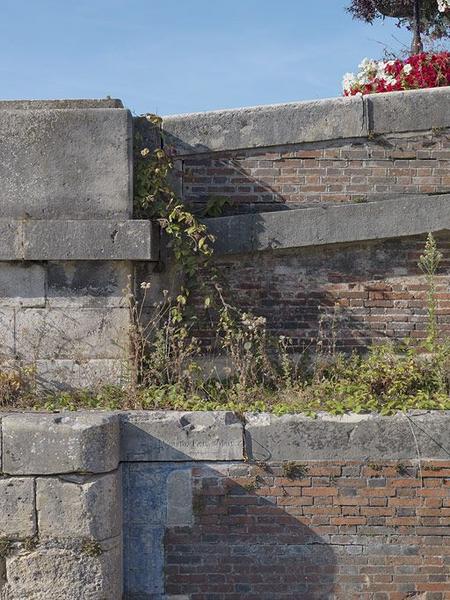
(330, 224)
(22, 285)
(74, 506)
(65, 571)
(65, 162)
(271, 125)
(60, 443)
(90, 240)
(79, 334)
(413, 110)
(17, 508)
(180, 436)
(352, 437)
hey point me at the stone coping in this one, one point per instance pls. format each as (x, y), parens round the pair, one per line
(97, 441)
(310, 121)
(60, 104)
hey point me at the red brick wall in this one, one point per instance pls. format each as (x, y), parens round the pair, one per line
(364, 293)
(309, 174)
(343, 531)
(357, 293)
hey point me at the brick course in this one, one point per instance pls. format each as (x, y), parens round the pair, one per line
(320, 173)
(342, 531)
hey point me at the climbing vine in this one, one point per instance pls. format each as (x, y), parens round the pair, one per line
(188, 239)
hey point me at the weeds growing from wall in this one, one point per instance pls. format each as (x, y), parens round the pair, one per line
(166, 369)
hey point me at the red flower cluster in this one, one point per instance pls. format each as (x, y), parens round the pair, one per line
(418, 71)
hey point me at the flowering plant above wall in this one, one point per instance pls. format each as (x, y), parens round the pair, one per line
(423, 70)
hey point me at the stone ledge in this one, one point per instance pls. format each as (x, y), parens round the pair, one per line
(60, 104)
(45, 443)
(81, 239)
(350, 437)
(312, 121)
(175, 436)
(330, 224)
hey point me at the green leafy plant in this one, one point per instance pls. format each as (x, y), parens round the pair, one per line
(293, 470)
(154, 198)
(429, 263)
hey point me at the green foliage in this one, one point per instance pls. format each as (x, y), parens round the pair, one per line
(429, 264)
(293, 470)
(261, 374)
(215, 205)
(155, 199)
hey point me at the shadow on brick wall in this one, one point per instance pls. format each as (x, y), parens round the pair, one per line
(350, 295)
(248, 540)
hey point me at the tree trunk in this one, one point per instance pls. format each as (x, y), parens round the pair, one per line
(417, 45)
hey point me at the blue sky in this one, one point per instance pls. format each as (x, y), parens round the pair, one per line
(183, 55)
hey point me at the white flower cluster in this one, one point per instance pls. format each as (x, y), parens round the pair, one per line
(251, 322)
(368, 71)
(443, 5)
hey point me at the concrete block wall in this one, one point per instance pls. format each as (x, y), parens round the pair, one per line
(200, 506)
(332, 201)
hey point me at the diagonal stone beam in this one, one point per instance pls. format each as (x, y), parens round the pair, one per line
(395, 218)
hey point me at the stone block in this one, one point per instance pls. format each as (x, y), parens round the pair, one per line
(260, 126)
(79, 334)
(65, 572)
(61, 240)
(179, 499)
(10, 239)
(17, 508)
(7, 333)
(413, 110)
(179, 436)
(22, 285)
(59, 104)
(87, 284)
(72, 506)
(70, 162)
(67, 374)
(351, 437)
(60, 443)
